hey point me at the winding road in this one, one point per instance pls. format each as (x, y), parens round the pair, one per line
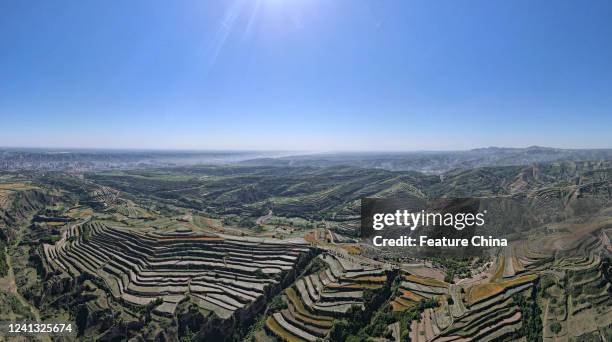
(264, 218)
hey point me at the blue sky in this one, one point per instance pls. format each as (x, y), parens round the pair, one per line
(305, 74)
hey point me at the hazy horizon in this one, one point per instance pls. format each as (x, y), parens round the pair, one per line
(298, 75)
(278, 151)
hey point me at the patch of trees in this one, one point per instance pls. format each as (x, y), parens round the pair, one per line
(457, 267)
(531, 322)
(145, 310)
(3, 263)
(243, 222)
(276, 304)
(361, 325)
(196, 325)
(555, 327)
(246, 222)
(259, 324)
(356, 326)
(315, 266)
(606, 266)
(82, 314)
(259, 273)
(347, 329)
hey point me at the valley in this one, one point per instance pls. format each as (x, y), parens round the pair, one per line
(264, 253)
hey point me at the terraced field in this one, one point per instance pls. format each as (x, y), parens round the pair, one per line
(413, 289)
(563, 271)
(180, 254)
(111, 201)
(317, 299)
(222, 274)
(569, 283)
(482, 312)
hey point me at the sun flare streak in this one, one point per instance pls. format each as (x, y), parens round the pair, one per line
(224, 30)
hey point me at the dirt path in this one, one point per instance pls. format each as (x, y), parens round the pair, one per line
(264, 218)
(545, 322)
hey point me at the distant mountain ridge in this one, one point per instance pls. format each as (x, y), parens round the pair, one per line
(440, 161)
(93, 160)
(433, 162)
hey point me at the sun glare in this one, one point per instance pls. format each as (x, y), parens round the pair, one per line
(245, 17)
